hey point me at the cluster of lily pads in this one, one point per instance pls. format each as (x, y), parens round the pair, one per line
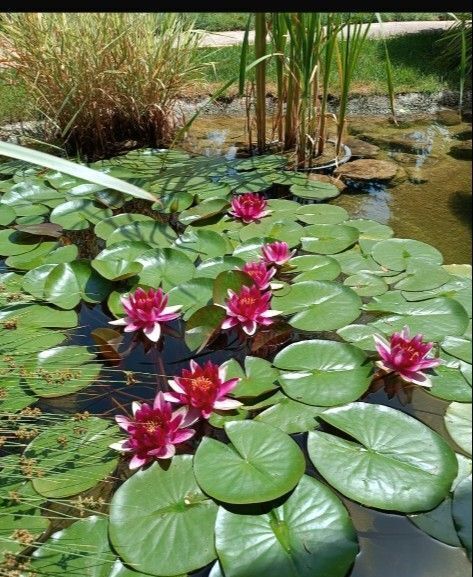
(224, 475)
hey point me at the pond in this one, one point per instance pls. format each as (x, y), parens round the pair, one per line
(428, 201)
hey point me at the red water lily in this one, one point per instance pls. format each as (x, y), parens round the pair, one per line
(260, 273)
(248, 309)
(145, 311)
(249, 207)
(154, 431)
(406, 356)
(276, 253)
(203, 389)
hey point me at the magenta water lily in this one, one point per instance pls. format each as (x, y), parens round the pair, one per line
(277, 253)
(203, 389)
(406, 356)
(249, 207)
(260, 273)
(146, 311)
(154, 431)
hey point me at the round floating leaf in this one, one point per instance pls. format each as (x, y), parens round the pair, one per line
(291, 416)
(422, 276)
(398, 253)
(314, 189)
(77, 214)
(250, 251)
(73, 456)
(271, 161)
(457, 347)
(192, 295)
(261, 464)
(282, 230)
(449, 383)
(155, 234)
(174, 202)
(7, 215)
(328, 238)
(119, 261)
(166, 184)
(203, 210)
(323, 373)
(371, 229)
(458, 423)
(107, 226)
(457, 289)
(211, 190)
(29, 192)
(252, 182)
(353, 262)
(461, 510)
(21, 316)
(319, 305)
(310, 535)
(212, 267)
(366, 284)
(33, 258)
(203, 325)
(283, 209)
(438, 523)
(394, 462)
(321, 214)
(257, 378)
(314, 267)
(13, 242)
(233, 280)
(167, 268)
(177, 512)
(434, 319)
(359, 335)
(203, 243)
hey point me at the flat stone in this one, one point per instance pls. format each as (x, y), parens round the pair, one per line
(413, 142)
(367, 169)
(362, 148)
(325, 178)
(413, 159)
(448, 117)
(461, 150)
(416, 175)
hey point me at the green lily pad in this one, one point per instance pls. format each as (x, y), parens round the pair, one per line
(203, 325)
(119, 261)
(261, 464)
(203, 244)
(449, 383)
(250, 251)
(173, 202)
(73, 456)
(271, 161)
(33, 258)
(176, 512)
(394, 462)
(371, 229)
(353, 262)
(153, 233)
(398, 253)
(314, 189)
(314, 267)
(282, 209)
(257, 378)
(323, 373)
(212, 267)
(310, 535)
(192, 295)
(203, 210)
(78, 214)
(167, 267)
(282, 230)
(422, 276)
(291, 416)
(359, 335)
(321, 214)
(231, 279)
(13, 242)
(458, 347)
(19, 316)
(7, 215)
(458, 289)
(461, 511)
(318, 305)
(458, 423)
(29, 192)
(106, 227)
(366, 284)
(438, 523)
(328, 238)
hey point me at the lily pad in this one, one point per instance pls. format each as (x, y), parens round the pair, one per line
(328, 238)
(366, 284)
(291, 416)
(422, 276)
(461, 510)
(203, 244)
(19, 316)
(203, 325)
(394, 462)
(321, 214)
(167, 267)
(257, 378)
(282, 230)
(203, 210)
(449, 383)
(319, 305)
(78, 214)
(310, 535)
(73, 456)
(458, 424)
(153, 233)
(106, 227)
(192, 295)
(212, 267)
(261, 464)
(323, 373)
(359, 335)
(176, 512)
(397, 253)
(314, 189)
(314, 267)
(458, 347)
(438, 523)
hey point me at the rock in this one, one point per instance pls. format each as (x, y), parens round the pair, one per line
(367, 169)
(466, 116)
(413, 142)
(463, 135)
(324, 178)
(413, 159)
(416, 175)
(362, 148)
(448, 117)
(462, 150)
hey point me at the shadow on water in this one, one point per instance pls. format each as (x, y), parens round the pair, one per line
(460, 204)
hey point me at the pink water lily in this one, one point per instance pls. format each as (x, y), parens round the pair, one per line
(249, 207)
(249, 308)
(154, 431)
(203, 389)
(260, 273)
(406, 356)
(277, 253)
(145, 311)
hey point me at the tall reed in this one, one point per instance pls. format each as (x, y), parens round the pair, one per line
(99, 79)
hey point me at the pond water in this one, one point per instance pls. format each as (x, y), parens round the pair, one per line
(431, 204)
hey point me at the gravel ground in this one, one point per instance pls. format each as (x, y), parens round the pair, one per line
(218, 39)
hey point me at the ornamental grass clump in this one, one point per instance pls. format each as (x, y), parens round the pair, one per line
(101, 79)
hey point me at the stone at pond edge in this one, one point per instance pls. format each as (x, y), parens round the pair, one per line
(413, 142)
(362, 148)
(412, 159)
(330, 180)
(461, 151)
(448, 117)
(368, 169)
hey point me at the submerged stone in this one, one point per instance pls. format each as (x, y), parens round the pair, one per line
(368, 169)
(330, 180)
(462, 150)
(362, 148)
(448, 117)
(412, 142)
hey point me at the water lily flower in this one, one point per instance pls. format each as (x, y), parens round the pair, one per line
(260, 273)
(249, 207)
(406, 356)
(248, 308)
(145, 311)
(277, 253)
(154, 431)
(203, 389)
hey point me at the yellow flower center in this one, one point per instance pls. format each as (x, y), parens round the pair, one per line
(248, 301)
(153, 425)
(201, 384)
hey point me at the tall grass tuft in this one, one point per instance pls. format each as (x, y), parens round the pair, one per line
(99, 79)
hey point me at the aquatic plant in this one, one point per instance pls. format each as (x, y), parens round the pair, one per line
(271, 402)
(249, 207)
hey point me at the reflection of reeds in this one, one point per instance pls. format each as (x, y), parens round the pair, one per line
(99, 79)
